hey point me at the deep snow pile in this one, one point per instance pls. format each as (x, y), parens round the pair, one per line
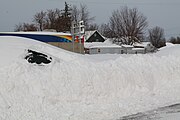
(83, 87)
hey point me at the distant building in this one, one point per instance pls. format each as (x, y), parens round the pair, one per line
(127, 49)
(61, 40)
(102, 48)
(110, 48)
(93, 36)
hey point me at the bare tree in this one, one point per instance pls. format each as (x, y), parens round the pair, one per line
(85, 15)
(156, 37)
(175, 40)
(52, 19)
(82, 13)
(19, 27)
(40, 19)
(60, 20)
(52, 16)
(75, 16)
(128, 23)
(92, 27)
(106, 31)
(25, 27)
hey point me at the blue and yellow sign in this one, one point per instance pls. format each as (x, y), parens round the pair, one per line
(43, 37)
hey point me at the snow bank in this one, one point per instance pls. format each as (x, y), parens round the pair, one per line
(77, 87)
(170, 50)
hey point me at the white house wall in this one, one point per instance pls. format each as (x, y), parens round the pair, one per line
(116, 51)
(106, 51)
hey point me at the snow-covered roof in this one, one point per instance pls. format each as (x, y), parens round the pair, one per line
(88, 34)
(37, 33)
(139, 45)
(138, 48)
(127, 46)
(100, 45)
(106, 46)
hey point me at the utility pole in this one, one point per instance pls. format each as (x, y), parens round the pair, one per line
(73, 28)
(81, 34)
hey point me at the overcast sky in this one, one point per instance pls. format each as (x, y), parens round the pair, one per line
(163, 13)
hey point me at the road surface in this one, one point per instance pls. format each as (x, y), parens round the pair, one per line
(165, 113)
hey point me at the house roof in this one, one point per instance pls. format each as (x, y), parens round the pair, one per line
(38, 33)
(127, 46)
(143, 44)
(88, 34)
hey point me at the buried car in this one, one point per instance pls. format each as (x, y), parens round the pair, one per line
(37, 57)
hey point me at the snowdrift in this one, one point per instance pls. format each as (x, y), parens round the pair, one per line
(83, 87)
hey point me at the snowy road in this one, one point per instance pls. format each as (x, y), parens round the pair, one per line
(165, 113)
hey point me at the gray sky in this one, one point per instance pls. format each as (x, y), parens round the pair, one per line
(163, 13)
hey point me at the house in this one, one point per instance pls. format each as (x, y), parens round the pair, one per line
(93, 36)
(147, 46)
(150, 48)
(127, 48)
(103, 48)
(108, 47)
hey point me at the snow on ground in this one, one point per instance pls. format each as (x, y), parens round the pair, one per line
(169, 50)
(84, 87)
